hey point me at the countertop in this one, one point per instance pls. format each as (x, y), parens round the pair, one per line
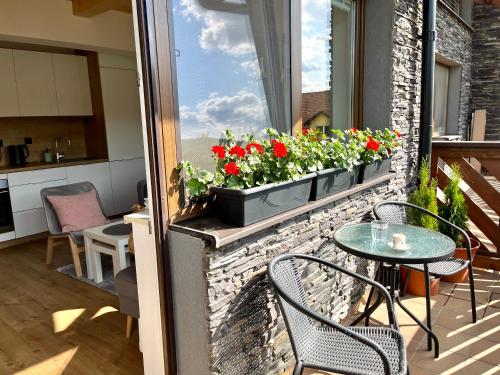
(42, 165)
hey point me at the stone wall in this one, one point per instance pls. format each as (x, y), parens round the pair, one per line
(454, 43)
(486, 66)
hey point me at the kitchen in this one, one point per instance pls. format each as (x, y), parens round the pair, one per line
(70, 113)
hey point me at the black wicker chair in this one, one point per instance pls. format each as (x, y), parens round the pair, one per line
(397, 213)
(320, 343)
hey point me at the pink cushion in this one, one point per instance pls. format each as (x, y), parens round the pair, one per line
(78, 212)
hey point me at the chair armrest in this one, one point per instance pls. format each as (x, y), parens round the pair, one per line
(326, 321)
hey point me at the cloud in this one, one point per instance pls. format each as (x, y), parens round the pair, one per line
(220, 31)
(243, 112)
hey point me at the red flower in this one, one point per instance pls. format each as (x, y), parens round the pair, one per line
(279, 149)
(398, 134)
(220, 151)
(305, 131)
(354, 130)
(238, 151)
(372, 145)
(232, 168)
(254, 145)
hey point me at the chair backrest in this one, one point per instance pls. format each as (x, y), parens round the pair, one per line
(283, 272)
(392, 212)
(142, 191)
(71, 189)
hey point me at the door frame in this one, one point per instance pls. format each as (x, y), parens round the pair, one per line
(152, 23)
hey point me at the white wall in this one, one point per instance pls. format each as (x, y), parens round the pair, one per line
(51, 22)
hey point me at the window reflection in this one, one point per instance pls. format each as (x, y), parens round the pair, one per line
(327, 64)
(232, 60)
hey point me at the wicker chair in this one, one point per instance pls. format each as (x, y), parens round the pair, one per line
(320, 343)
(396, 213)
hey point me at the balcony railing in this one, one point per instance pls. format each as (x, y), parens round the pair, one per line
(488, 155)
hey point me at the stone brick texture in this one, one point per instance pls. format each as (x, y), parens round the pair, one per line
(247, 334)
(486, 66)
(454, 42)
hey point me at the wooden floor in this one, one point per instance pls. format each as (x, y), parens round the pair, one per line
(53, 324)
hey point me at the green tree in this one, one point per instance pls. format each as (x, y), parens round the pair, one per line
(454, 208)
(424, 196)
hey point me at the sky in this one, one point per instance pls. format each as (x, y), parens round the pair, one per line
(218, 75)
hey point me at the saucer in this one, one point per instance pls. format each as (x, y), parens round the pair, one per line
(405, 247)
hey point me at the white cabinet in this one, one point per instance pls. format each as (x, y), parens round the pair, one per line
(122, 113)
(9, 104)
(35, 83)
(125, 174)
(36, 176)
(72, 85)
(27, 197)
(27, 207)
(27, 223)
(99, 175)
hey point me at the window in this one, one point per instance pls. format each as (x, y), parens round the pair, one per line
(447, 91)
(440, 105)
(328, 41)
(232, 70)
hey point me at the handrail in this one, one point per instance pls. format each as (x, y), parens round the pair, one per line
(487, 153)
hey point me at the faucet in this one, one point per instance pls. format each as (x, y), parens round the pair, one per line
(60, 155)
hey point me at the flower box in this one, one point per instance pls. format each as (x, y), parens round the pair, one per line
(248, 206)
(373, 170)
(334, 180)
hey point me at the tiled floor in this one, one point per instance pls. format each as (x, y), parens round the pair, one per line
(466, 348)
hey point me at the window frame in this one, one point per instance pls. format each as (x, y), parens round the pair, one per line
(358, 66)
(175, 199)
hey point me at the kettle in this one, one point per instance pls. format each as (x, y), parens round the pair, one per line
(18, 154)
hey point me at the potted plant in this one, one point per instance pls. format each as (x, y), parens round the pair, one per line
(454, 209)
(423, 196)
(253, 179)
(339, 163)
(377, 151)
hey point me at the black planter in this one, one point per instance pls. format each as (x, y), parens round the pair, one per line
(248, 206)
(378, 168)
(333, 180)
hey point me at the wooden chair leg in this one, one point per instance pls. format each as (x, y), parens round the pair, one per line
(50, 249)
(130, 321)
(75, 252)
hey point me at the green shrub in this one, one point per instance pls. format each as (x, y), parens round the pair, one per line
(454, 208)
(424, 196)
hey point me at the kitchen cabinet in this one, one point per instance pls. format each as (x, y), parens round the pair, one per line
(9, 104)
(26, 197)
(122, 113)
(125, 174)
(99, 175)
(27, 223)
(72, 85)
(35, 83)
(36, 176)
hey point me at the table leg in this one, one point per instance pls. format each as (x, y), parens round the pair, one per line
(89, 257)
(97, 267)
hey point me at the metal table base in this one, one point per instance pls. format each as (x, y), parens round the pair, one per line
(389, 276)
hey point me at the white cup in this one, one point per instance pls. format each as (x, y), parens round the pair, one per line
(398, 240)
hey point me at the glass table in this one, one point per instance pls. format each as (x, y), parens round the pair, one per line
(423, 246)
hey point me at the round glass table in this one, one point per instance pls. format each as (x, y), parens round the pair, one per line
(423, 246)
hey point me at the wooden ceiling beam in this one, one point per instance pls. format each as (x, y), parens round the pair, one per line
(90, 8)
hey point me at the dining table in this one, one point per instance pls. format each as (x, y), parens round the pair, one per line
(422, 246)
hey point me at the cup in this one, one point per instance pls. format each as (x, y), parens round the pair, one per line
(398, 241)
(379, 230)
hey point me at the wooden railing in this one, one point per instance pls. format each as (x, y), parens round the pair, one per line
(488, 155)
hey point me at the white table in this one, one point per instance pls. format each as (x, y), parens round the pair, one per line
(97, 243)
